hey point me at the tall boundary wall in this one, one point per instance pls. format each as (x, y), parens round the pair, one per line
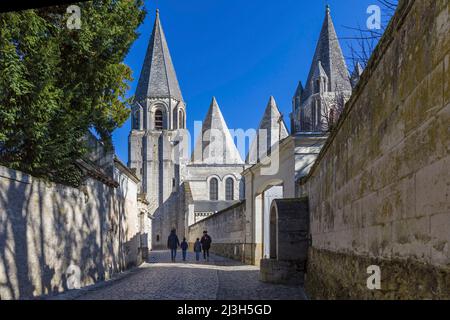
(379, 191)
(54, 237)
(227, 230)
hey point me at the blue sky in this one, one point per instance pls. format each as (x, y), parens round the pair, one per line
(240, 51)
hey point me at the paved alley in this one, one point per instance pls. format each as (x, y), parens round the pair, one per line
(159, 279)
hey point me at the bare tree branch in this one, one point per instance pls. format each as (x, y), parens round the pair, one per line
(363, 41)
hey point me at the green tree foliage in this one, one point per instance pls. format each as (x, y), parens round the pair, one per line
(57, 83)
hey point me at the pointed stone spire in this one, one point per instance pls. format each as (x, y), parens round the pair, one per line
(271, 130)
(329, 54)
(299, 90)
(356, 75)
(158, 78)
(217, 146)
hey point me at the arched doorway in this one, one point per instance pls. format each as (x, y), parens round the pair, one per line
(270, 191)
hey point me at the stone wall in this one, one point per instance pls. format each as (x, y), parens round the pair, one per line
(227, 230)
(379, 192)
(45, 228)
(289, 242)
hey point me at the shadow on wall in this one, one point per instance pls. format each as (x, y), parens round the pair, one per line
(169, 215)
(47, 228)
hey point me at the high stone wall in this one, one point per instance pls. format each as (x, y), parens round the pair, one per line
(379, 192)
(227, 230)
(47, 227)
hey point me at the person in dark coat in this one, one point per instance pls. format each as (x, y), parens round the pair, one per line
(184, 246)
(173, 243)
(206, 244)
(197, 249)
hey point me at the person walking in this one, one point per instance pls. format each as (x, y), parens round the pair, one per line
(197, 249)
(184, 246)
(206, 244)
(173, 243)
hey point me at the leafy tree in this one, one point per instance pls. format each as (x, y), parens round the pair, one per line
(56, 84)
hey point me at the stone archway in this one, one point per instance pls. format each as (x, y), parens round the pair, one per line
(272, 189)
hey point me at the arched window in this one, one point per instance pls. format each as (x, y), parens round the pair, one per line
(159, 120)
(136, 120)
(180, 119)
(214, 189)
(332, 117)
(318, 115)
(313, 116)
(317, 86)
(229, 189)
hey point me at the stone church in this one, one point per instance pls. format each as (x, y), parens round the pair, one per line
(328, 86)
(180, 189)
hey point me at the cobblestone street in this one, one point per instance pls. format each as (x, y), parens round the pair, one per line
(159, 279)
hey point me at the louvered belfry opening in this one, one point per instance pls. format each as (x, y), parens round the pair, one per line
(159, 120)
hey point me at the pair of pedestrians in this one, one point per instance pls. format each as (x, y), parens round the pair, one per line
(200, 245)
(203, 245)
(173, 243)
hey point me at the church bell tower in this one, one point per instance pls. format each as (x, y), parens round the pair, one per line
(158, 117)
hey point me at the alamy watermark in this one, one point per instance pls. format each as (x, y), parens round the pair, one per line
(74, 20)
(374, 20)
(73, 277)
(217, 147)
(374, 280)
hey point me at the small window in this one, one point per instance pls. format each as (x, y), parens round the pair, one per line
(180, 119)
(313, 115)
(317, 87)
(213, 189)
(229, 189)
(332, 117)
(157, 238)
(136, 120)
(158, 120)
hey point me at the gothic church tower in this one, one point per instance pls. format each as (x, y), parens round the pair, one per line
(317, 105)
(158, 116)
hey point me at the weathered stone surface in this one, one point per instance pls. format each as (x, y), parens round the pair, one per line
(282, 272)
(343, 275)
(47, 227)
(227, 230)
(379, 192)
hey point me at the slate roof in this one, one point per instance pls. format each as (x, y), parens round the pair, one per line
(158, 78)
(329, 54)
(275, 128)
(299, 90)
(222, 151)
